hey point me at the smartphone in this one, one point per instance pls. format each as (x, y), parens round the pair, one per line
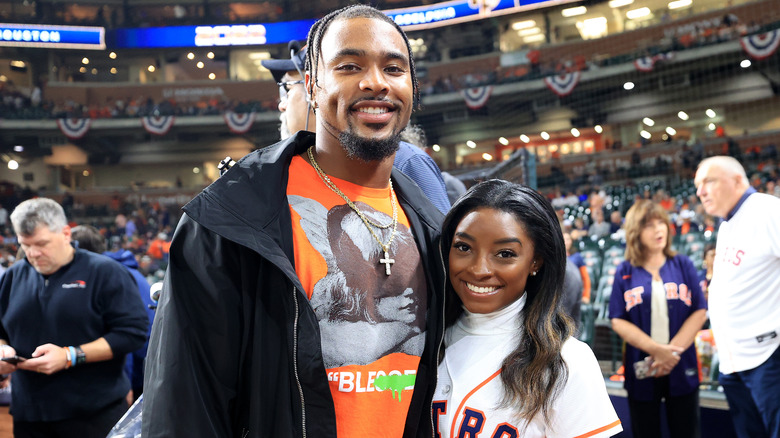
(642, 368)
(13, 360)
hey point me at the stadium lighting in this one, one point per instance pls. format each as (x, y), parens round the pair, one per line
(519, 25)
(83, 69)
(524, 138)
(436, 148)
(619, 3)
(646, 135)
(471, 144)
(545, 135)
(648, 121)
(683, 115)
(528, 32)
(534, 38)
(112, 55)
(18, 148)
(94, 71)
(677, 4)
(575, 132)
(628, 86)
(196, 170)
(598, 129)
(151, 69)
(487, 157)
(200, 64)
(638, 13)
(85, 60)
(190, 55)
(671, 131)
(13, 164)
(503, 141)
(210, 55)
(745, 63)
(573, 12)
(85, 172)
(212, 76)
(711, 126)
(710, 113)
(113, 70)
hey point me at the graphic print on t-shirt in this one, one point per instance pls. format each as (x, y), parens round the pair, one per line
(372, 324)
(364, 314)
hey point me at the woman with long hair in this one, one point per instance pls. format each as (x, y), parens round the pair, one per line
(510, 366)
(657, 307)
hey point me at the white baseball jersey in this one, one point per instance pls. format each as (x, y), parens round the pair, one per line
(469, 389)
(744, 296)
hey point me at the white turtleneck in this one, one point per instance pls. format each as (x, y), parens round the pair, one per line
(506, 321)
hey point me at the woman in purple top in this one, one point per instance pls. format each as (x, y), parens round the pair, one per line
(657, 307)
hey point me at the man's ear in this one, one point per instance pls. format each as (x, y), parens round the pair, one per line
(310, 89)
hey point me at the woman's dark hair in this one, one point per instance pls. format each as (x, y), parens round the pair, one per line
(317, 31)
(534, 372)
(89, 238)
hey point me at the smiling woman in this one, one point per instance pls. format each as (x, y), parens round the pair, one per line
(506, 259)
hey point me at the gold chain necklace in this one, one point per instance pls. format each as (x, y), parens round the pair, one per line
(387, 261)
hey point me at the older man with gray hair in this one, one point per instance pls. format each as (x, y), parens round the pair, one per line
(68, 317)
(744, 295)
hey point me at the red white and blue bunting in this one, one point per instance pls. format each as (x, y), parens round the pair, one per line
(477, 97)
(647, 63)
(564, 84)
(74, 129)
(239, 123)
(158, 125)
(761, 46)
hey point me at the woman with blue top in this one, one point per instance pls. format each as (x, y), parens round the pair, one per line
(657, 307)
(510, 366)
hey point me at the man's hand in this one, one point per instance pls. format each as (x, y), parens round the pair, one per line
(665, 358)
(46, 359)
(6, 368)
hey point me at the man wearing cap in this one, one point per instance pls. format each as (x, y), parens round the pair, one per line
(297, 115)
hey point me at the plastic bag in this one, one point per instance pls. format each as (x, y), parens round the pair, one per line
(129, 426)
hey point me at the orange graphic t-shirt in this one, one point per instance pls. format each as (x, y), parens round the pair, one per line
(372, 324)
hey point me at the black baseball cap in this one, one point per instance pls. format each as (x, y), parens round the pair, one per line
(296, 63)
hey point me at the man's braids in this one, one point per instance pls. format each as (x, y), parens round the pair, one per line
(314, 41)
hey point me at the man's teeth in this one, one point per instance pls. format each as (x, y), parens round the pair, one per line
(373, 110)
(480, 290)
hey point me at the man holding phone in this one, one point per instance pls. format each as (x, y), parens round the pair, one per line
(73, 315)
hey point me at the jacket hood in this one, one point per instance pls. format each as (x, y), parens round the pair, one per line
(124, 257)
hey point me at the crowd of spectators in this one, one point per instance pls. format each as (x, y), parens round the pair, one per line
(15, 103)
(693, 36)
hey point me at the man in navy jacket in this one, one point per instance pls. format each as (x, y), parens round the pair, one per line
(73, 315)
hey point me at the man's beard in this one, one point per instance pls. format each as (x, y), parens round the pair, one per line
(368, 149)
(284, 131)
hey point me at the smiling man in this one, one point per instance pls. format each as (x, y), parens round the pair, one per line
(303, 295)
(744, 294)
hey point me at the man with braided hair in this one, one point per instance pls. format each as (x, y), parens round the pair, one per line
(304, 291)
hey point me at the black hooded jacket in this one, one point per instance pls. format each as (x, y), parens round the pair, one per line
(235, 346)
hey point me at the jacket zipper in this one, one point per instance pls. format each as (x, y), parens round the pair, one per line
(295, 363)
(443, 328)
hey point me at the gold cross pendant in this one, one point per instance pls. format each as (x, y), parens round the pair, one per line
(387, 262)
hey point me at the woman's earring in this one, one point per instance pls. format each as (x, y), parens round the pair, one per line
(533, 274)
